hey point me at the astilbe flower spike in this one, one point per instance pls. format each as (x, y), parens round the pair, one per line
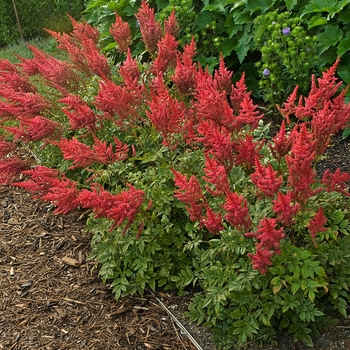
(166, 58)
(121, 33)
(217, 142)
(129, 70)
(316, 225)
(247, 150)
(166, 112)
(212, 221)
(120, 103)
(269, 238)
(281, 143)
(63, 195)
(105, 154)
(118, 208)
(284, 207)
(238, 93)
(266, 179)
(27, 104)
(248, 114)
(41, 180)
(79, 113)
(171, 26)
(34, 129)
(57, 73)
(151, 30)
(217, 176)
(236, 207)
(10, 168)
(6, 147)
(190, 193)
(185, 72)
(15, 78)
(223, 77)
(336, 182)
(80, 153)
(301, 175)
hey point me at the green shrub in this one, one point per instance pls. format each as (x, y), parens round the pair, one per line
(33, 16)
(184, 183)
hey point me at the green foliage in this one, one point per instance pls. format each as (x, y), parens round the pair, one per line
(288, 55)
(33, 16)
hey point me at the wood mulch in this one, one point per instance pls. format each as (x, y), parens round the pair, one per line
(50, 298)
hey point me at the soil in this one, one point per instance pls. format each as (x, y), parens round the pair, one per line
(50, 298)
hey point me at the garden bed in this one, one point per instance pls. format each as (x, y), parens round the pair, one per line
(50, 299)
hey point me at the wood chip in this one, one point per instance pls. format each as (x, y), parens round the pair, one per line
(70, 261)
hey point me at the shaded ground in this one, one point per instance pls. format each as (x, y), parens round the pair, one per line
(49, 299)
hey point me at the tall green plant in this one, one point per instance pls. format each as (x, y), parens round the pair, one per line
(183, 182)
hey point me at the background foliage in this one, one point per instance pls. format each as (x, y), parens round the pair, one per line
(34, 16)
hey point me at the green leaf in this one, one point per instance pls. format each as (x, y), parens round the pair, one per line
(256, 5)
(316, 21)
(329, 6)
(295, 287)
(343, 46)
(330, 37)
(290, 4)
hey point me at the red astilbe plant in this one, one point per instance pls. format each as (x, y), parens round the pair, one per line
(190, 193)
(301, 175)
(151, 29)
(80, 115)
(34, 129)
(166, 113)
(6, 147)
(41, 180)
(338, 181)
(216, 175)
(237, 211)
(118, 208)
(10, 168)
(185, 71)
(121, 33)
(212, 221)
(316, 225)
(266, 179)
(284, 207)
(269, 238)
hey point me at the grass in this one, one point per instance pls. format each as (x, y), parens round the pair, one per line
(20, 48)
